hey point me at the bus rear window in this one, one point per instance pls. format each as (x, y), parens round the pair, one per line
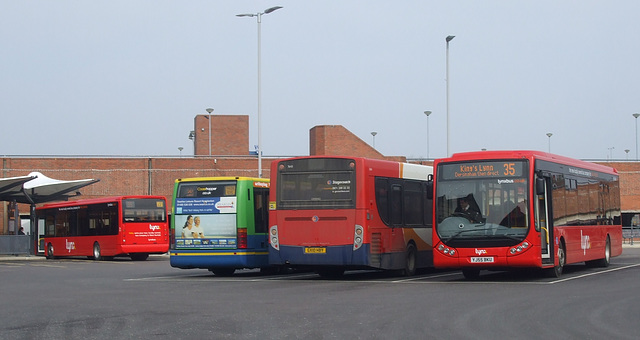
(317, 184)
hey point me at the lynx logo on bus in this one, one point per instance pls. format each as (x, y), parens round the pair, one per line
(481, 251)
(585, 243)
(154, 227)
(69, 245)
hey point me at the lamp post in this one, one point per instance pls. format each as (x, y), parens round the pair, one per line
(180, 149)
(427, 113)
(549, 134)
(209, 110)
(259, 20)
(374, 138)
(611, 152)
(636, 115)
(448, 39)
(627, 152)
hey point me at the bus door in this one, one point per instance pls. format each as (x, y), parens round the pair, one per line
(543, 223)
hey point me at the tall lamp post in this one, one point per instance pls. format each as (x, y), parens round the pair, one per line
(636, 115)
(259, 19)
(448, 39)
(427, 113)
(374, 138)
(209, 111)
(549, 134)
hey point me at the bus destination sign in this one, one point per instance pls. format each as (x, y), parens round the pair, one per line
(489, 169)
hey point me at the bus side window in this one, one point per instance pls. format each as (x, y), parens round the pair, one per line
(261, 216)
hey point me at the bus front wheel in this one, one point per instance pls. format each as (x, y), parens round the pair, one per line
(471, 273)
(97, 256)
(410, 260)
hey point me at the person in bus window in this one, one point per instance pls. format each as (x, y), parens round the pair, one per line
(187, 230)
(21, 231)
(197, 229)
(515, 217)
(468, 210)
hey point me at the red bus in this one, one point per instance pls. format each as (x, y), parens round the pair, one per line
(337, 213)
(102, 228)
(508, 209)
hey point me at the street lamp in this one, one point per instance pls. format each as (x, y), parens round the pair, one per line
(428, 113)
(611, 152)
(180, 148)
(627, 152)
(374, 138)
(259, 19)
(448, 39)
(209, 110)
(549, 134)
(636, 115)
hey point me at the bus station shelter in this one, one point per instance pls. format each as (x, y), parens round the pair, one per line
(33, 189)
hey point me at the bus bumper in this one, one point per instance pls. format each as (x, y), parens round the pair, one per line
(218, 259)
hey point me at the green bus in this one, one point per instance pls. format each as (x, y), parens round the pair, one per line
(220, 224)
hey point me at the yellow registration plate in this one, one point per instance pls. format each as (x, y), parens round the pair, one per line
(315, 250)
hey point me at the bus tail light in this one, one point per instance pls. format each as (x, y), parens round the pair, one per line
(242, 238)
(273, 237)
(357, 237)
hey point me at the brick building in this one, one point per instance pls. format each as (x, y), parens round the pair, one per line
(221, 148)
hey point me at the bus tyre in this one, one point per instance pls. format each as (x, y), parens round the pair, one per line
(97, 256)
(556, 271)
(410, 260)
(50, 251)
(139, 256)
(331, 273)
(471, 273)
(606, 260)
(223, 271)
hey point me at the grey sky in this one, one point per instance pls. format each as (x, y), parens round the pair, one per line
(128, 77)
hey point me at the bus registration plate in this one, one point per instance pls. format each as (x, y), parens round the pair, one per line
(315, 250)
(483, 259)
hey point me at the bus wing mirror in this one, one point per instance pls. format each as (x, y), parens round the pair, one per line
(539, 186)
(430, 187)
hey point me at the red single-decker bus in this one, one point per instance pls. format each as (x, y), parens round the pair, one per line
(508, 209)
(102, 228)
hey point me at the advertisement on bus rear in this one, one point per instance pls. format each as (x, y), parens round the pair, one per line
(206, 223)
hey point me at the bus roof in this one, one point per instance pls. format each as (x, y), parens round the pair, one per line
(222, 178)
(528, 154)
(97, 200)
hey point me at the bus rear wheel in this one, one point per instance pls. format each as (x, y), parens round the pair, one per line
(331, 273)
(223, 271)
(139, 256)
(50, 251)
(97, 255)
(606, 260)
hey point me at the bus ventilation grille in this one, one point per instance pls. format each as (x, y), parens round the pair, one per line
(376, 249)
